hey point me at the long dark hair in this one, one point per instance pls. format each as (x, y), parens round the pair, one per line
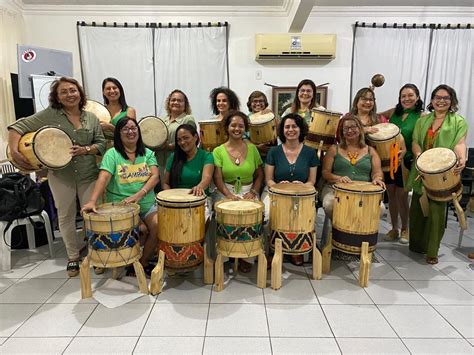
(122, 101)
(295, 107)
(180, 156)
(300, 122)
(118, 145)
(53, 93)
(452, 93)
(418, 104)
(232, 99)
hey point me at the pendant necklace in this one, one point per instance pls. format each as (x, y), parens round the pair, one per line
(353, 157)
(236, 159)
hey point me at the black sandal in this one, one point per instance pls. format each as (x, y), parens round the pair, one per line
(72, 268)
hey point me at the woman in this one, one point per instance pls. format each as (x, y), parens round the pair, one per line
(405, 116)
(291, 161)
(223, 100)
(66, 110)
(258, 103)
(441, 128)
(179, 112)
(136, 185)
(305, 100)
(350, 160)
(365, 108)
(238, 166)
(114, 100)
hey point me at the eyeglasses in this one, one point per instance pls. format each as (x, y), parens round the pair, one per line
(177, 100)
(304, 91)
(350, 128)
(367, 99)
(258, 101)
(442, 98)
(129, 129)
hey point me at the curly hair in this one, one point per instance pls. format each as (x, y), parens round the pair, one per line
(53, 93)
(232, 98)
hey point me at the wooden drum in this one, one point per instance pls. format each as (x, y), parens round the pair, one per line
(154, 132)
(181, 223)
(212, 134)
(292, 217)
(239, 228)
(323, 127)
(262, 128)
(112, 234)
(49, 147)
(436, 167)
(356, 215)
(384, 141)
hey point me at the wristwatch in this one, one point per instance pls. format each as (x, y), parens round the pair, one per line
(88, 149)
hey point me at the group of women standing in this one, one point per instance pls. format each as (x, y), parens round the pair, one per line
(235, 169)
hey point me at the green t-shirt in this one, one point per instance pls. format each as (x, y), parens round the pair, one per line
(128, 177)
(191, 174)
(243, 172)
(284, 171)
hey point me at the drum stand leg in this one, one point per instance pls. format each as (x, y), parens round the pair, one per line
(277, 265)
(219, 266)
(459, 212)
(156, 282)
(365, 262)
(115, 273)
(140, 273)
(262, 271)
(317, 260)
(327, 251)
(208, 268)
(85, 275)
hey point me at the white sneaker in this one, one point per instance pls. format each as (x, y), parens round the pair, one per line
(404, 237)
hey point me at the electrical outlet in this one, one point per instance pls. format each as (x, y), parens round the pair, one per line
(258, 75)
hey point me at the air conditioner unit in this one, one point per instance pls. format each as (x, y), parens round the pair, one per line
(295, 46)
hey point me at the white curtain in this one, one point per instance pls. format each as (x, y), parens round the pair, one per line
(193, 60)
(122, 53)
(400, 54)
(451, 61)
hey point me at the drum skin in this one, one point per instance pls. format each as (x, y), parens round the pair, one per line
(239, 228)
(112, 234)
(292, 217)
(436, 167)
(99, 110)
(154, 131)
(212, 134)
(181, 228)
(323, 127)
(356, 216)
(382, 141)
(262, 128)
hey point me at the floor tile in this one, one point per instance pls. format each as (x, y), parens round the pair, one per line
(378, 271)
(19, 270)
(443, 292)
(50, 269)
(297, 321)
(177, 320)
(70, 292)
(126, 320)
(460, 317)
(6, 283)
(169, 345)
(55, 320)
(357, 321)
(456, 270)
(467, 285)
(102, 345)
(340, 292)
(35, 345)
(185, 291)
(371, 346)
(339, 270)
(446, 254)
(438, 346)
(13, 316)
(471, 340)
(300, 346)
(418, 271)
(393, 292)
(418, 322)
(398, 252)
(31, 291)
(292, 291)
(237, 320)
(236, 345)
(238, 291)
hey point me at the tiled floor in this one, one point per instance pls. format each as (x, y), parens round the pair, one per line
(409, 307)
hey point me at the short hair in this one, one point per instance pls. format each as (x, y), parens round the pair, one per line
(118, 145)
(180, 156)
(295, 107)
(53, 93)
(255, 94)
(418, 103)
(231, 114)
(452, 93)
(373, 113)
(232, 98)
(351, 117)
(187, 106)
(122, 101)
(300, 122)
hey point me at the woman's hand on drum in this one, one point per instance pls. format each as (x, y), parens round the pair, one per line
(134, 198)
(297, 182)
(250, 196)
(20, 160)
(78, 150)
(459, 167)
(371, 129)
(197, 191)
(88, 207)
(284, 182)
(378, 181)
(232, 197)
(344, 179)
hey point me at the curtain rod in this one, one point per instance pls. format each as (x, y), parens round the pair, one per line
(413, 25)
(153, 24)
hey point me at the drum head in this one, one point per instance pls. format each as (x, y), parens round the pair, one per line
(112, 211)
(323, 111)
(210, 122)
(154, 131)
(386, 131)
(359, 186)
(258, 118)
(241, 205)
(178, 196)
(436, 160)
(99, 110)
(292, 189)
(52, 146)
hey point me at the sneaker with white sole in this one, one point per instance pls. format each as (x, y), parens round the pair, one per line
(391, 235)
(404, 237)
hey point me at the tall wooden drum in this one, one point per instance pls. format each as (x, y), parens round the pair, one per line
(239, 228)
(356, 216)
(112, 234)
(385, 141)
(323, 127)
(262, 128)
(292, 217)
(181, 228)
(154, 132)
(436, 167)
(212, 134)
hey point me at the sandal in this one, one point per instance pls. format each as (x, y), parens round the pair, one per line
(244, 266)
(432, 260)
(72, 268)
(297, 260)
(99, 270)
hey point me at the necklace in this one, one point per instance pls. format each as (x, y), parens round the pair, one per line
(130, 151)
(236, 159)
(353, 157)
